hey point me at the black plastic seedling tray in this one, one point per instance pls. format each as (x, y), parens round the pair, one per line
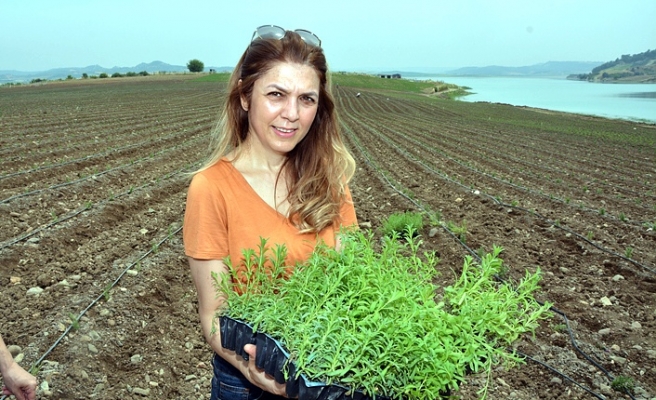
(273, 359)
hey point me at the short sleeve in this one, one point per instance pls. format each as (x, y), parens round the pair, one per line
(205, 228)
(347, 212)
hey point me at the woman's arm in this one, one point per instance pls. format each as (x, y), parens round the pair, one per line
(18, 382)
(209, 301)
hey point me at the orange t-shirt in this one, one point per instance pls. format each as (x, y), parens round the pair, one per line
(224, 216)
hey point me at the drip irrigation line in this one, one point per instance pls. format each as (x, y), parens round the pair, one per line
(552, 369)
(92, 176)
(106, 153)
(80, 211)
(114, 283)
(44, 167)
(101, 296)
(89, 157)
(576, 346)
(519, 187)
(566, 229)
(17, 196)
(42, 228)
(516, 186)
(569, 330)
(552, 308)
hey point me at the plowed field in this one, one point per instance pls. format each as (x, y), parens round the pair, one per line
(94, 285)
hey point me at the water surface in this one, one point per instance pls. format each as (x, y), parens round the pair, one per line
(625, 101)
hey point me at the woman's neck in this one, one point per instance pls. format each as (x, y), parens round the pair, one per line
(252, 157)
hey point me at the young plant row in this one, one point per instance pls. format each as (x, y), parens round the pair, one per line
(79, 126)
(418, 128)
(126, 149)
(141, 146)
(96, 174)
(624, 254)
(483, 135)
(513, 130)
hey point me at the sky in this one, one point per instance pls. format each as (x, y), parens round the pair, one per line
(357, 35)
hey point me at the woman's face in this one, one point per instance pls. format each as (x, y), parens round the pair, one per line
(283, 105)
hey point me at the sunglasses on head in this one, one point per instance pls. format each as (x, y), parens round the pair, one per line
(276, 32)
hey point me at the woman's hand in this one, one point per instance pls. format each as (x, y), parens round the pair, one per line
(19, 382)
(260, 378)
(208, 303)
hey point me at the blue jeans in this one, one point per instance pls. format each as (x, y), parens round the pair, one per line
(230, 384)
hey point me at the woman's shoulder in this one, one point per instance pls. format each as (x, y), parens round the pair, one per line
(214, 176)
(217, 171)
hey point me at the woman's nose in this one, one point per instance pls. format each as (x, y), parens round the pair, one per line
(290, 111)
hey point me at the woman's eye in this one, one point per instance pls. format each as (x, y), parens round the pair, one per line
(309, 100)
(275, 94)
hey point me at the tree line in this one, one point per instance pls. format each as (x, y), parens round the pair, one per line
(640, 59)
(636, 65)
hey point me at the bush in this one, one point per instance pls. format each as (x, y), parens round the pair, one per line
(102, 75)
(117, 75)
(131, 74)
(195, 65)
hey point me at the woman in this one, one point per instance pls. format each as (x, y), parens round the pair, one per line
(17, 381)
(278, 170)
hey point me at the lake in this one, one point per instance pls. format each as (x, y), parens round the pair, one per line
(624, 101)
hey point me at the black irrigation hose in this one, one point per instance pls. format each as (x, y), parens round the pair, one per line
(554, 223)
(552, 369)
(92, 156)
(97, 299)
(414, 119)
(17, 196)
(68, 329)
(78, 212)
(92, 176)
(42, 228)
(587, 357)
(77, 160)
(562, 314)
(179, 124)
(44, 167)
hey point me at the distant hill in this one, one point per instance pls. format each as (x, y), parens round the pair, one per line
(76, 72)
(637, 68)
(547, 69)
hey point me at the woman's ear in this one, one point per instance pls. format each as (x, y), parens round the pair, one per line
(244, 101)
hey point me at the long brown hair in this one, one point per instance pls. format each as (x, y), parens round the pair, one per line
(320, 166)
